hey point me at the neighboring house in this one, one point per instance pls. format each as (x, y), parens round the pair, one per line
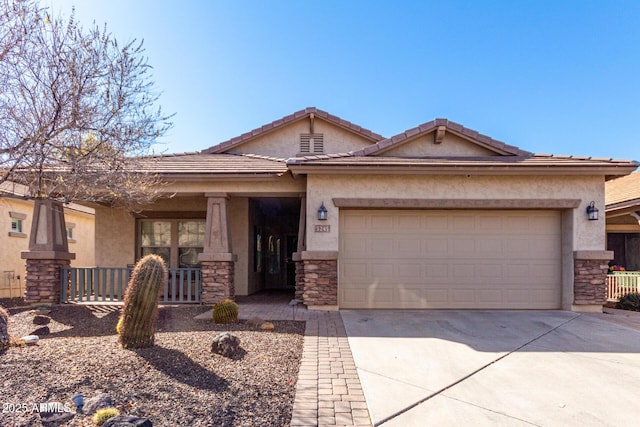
(622, 197)
(438, 216)
(16, 213)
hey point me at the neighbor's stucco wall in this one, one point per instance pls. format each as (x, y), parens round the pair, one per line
(452, 146)
(285, 142)
(12, 266)
(585, 235)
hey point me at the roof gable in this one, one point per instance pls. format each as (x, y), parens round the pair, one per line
(441, 138)
(285, 133)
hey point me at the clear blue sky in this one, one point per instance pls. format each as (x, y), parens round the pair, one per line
(558, 77)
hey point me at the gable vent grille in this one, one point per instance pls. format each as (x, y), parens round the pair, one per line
(311, 143)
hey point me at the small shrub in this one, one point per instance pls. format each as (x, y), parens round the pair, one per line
(102, 415)
(225, 312)
(630, 302)
(119, 326)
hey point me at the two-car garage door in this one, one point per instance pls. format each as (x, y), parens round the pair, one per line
(450, 259)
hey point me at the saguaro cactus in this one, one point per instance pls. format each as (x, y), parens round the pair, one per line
(137, 324)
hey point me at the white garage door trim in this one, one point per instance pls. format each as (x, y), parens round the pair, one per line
(473, 259)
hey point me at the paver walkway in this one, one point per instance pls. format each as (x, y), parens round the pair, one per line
(328, 391)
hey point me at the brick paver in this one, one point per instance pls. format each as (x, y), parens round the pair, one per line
(328, 391)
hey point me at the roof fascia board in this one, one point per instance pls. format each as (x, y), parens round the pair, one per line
(462, 170)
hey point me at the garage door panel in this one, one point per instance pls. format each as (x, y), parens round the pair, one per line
(449, 259)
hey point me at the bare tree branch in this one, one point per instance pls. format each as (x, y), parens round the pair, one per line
(77, 110)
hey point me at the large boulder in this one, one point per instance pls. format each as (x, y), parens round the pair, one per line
(225, 344)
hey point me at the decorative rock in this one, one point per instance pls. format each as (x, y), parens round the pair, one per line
(267, 326)
(41, 320)
(127, 421)
(56, 413)
(255, 321)
(41, 331)
(225, 344)
(92, 405)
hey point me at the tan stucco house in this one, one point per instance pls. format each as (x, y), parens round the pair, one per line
(622, 196)
(438, 216)
(16, 213)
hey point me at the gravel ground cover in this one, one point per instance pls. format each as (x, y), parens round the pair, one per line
(177, 382)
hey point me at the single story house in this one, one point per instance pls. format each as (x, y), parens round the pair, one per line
(622, 200)
(16, 213)
(439, 216)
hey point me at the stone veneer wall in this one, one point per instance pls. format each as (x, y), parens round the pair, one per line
(43, 280)
(299, 295)
(590, 281)
(217, 281)
(320, 282)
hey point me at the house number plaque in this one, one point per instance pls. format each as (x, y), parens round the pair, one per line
(323, 228)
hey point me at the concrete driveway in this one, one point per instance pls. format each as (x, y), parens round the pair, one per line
(495, 367)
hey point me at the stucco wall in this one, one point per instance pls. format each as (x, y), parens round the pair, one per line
(238, 225)
(12, 266)
(115, 238)
(586, 235)
(285, 143)
(276, 186)
(452, 145)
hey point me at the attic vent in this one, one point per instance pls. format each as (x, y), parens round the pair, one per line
(311, 143)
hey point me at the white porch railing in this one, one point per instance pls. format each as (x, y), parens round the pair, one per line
(621, 283)
(107, 284)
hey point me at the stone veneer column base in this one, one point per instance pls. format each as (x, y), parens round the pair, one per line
(320, 279)
(590, 280)
(42, 282)
(217, 281)
(299, 281)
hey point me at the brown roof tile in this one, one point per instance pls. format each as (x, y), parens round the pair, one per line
(199, 163)
(622, 191)
(298, 115)
(474, 136)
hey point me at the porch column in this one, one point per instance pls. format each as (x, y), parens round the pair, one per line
(320, 273)
(590, 279)
(217, 261)
(297, 256)
(48, 253)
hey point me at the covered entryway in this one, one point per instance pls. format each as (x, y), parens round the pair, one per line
(494, 259)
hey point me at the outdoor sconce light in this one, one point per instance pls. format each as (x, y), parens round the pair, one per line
(322, 212)
(592, 212)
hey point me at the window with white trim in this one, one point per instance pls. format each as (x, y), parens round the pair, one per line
(17, 225)
(70, 226)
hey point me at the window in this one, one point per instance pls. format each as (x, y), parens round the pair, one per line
(70, 226)
(17, 224)
(178, 242)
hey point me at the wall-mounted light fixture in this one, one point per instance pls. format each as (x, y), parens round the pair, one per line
(322, 212)
(592, 212)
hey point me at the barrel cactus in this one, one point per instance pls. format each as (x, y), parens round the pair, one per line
(137, 325)
(225, 312)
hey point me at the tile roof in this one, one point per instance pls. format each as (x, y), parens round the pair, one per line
(474, 136)
(623, 191)
(298, 115)
(535, 161)
(200, 163)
